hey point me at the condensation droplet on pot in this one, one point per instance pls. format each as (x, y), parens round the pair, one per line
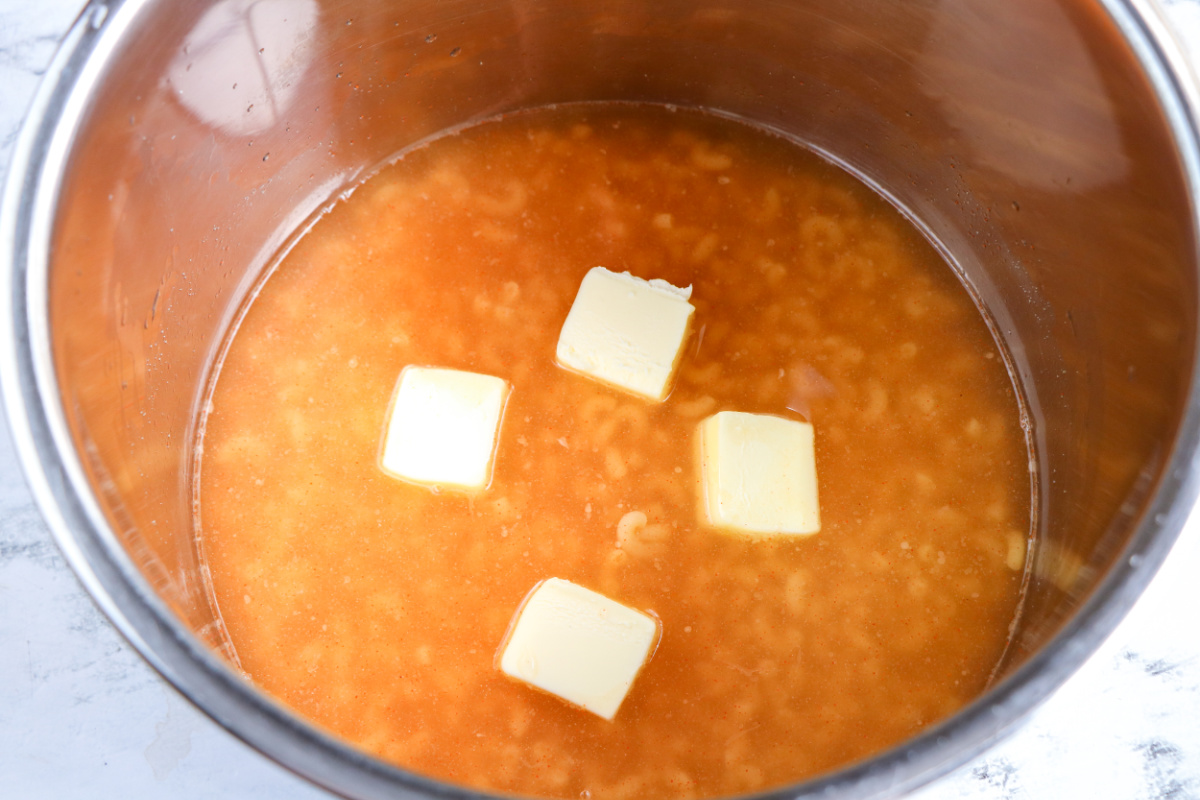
(1135, 561)
(455, 52)
(431, 38)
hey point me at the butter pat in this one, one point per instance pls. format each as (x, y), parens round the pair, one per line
(578, 645)
(759, 474)
(442, 427)
(626, 332)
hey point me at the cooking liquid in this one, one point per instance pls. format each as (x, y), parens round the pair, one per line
(375, 608)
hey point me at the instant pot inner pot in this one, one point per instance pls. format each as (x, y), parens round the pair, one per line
(1024, 137)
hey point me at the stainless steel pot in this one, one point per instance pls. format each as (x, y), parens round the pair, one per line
(1049, 147)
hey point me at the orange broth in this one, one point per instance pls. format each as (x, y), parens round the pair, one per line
(374, 607)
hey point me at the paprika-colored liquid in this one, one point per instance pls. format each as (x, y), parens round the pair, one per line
(375, 607)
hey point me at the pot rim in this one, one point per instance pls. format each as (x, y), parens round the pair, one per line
(57, 480)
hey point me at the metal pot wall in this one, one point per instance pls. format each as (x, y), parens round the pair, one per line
(1048, 147)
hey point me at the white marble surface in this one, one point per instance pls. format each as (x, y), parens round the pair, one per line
(81, 716)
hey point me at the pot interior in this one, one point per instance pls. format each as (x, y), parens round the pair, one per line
(1024, 138)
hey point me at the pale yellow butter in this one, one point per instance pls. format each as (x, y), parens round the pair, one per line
(759, 474)
(578, 645)
(626, 332)
(442, 427)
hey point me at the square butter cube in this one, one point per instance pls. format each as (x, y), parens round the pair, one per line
(578, 645)
(442, 428)
(759, 474)
(626, 332)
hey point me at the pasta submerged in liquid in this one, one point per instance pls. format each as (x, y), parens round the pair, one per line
(374, 607)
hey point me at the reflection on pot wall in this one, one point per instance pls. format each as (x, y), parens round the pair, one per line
(1047, 123)
(1022, 136)
(240, 68)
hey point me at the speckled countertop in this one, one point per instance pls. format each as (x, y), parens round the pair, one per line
(82, 716)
